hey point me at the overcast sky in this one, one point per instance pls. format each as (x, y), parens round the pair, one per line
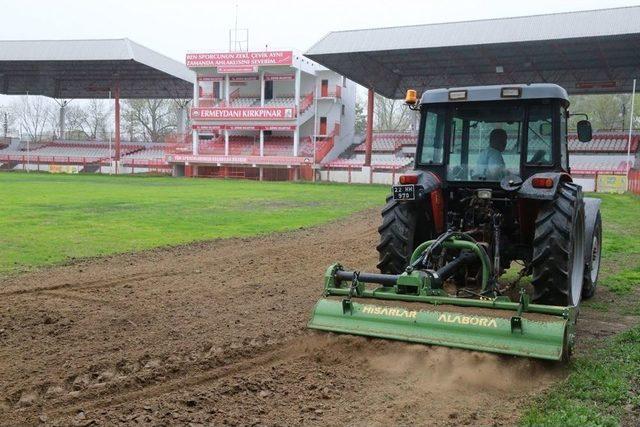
(176, 27)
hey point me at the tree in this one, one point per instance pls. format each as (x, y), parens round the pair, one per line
(606, 112)
(98, 115)
(35, 115)
(361, 118)
(7, 121)
(392, 115)
(152, 119)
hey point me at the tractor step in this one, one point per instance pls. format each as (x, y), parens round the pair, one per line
(535, 335)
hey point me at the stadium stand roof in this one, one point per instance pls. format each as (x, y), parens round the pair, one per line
(89, 68)
(585, 52)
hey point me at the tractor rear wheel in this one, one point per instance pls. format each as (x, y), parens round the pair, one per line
(558, 249)
(404, 226)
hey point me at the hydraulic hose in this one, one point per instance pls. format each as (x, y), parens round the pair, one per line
(460, 244)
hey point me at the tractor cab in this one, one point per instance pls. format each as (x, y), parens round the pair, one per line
(483, 134)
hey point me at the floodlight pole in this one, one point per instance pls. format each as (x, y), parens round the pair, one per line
(28, 147)
(633, 98)
(110, 148)
(117, 129)
(315, 129)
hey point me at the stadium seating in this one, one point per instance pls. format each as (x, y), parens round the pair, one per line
(388, 142)
(245, 102)
(612, 142)
(280, 102)
(389, 150)
(604, 153)
(83, 149)
(85, 152)
(589, 165)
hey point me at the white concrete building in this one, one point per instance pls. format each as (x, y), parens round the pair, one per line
(264, 115)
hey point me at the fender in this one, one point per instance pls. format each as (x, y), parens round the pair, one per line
(429, 188)
(528, 191)
(427, 183)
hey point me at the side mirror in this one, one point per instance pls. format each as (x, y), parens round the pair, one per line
(585, 132)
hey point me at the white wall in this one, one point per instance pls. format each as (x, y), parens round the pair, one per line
(359, 176)
(347, 121)
(587, 184)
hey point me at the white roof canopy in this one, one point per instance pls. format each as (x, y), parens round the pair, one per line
(89, 69)
(585, 52)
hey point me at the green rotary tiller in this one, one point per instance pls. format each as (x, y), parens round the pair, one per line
(481, 320)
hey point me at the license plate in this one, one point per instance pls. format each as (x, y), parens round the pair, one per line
(404, 192)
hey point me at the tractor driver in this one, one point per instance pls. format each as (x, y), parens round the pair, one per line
(490, 162)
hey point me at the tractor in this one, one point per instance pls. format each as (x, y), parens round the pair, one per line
(491, 190)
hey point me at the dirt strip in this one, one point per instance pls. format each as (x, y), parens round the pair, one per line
(215, 333)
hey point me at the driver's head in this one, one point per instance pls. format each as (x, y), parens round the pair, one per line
(498, 139)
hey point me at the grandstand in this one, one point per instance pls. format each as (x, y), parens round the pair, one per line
(390, 150)
(254, 111)
(85, 156)
(606, 152)
(393, 153)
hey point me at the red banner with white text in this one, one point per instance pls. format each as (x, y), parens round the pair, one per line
(250, 113)
(238, 59)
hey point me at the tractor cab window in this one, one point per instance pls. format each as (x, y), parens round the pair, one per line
(540, 135)
(485, 142)
(433, 138)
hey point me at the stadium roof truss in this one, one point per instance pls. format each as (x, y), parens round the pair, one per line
(90, 69)
(585, 52)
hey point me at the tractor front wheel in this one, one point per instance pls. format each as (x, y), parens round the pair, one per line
(593, 250)
(558, 249)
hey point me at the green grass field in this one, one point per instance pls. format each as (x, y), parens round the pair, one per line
(47, 219)
(605, 383)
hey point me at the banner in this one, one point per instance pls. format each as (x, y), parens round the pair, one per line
(210, 78)
(216, 128)
(237, 69)
(611, 184)
(239, 59)
(207, 128)
(249, 113)
(63, 169)
(276, 77)
(243, 160)
(242, 78)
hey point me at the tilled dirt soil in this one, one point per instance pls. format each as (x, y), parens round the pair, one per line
(215, 333)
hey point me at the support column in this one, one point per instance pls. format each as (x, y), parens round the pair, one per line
(117, 128)
(296, 133)
(62, 118)
(262, 88)
(631, 116)
(369, 134)
(226, 89)
(195, 138)
(182, 119)
(297, 90)
(261, 172)
(261, 146)
(226, 142)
